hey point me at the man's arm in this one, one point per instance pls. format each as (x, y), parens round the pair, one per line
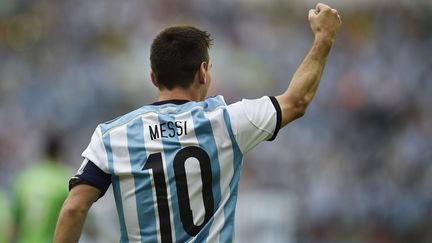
(325, 23)
(74, 213)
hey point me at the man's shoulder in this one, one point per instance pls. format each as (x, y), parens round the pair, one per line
(125, 118)
(213, 102)
(210, 103)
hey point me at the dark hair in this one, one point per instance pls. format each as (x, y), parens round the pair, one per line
(176, 54)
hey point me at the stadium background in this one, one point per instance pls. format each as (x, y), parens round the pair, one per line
(356, 168)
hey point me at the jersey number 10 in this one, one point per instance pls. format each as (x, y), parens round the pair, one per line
(155, 163)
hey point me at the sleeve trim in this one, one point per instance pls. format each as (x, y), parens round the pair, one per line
(75, 181)
(91, 175)
(278, 117)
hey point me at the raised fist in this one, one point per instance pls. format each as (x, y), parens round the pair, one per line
(324, 21)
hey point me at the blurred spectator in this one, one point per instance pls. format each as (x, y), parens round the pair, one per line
(5, 218)
(40, 190)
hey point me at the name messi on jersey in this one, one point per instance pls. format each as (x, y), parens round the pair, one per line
(168, 129)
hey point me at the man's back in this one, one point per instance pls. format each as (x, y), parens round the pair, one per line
(175, 167)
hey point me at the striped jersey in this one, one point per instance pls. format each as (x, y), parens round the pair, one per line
(175, 166)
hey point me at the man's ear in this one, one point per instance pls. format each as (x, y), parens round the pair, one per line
(202, 73)
(153, 79)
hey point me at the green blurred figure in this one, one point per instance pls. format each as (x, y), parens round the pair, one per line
(38, 197)
(5, 218)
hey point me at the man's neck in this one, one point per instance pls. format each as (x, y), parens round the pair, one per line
(178, 94)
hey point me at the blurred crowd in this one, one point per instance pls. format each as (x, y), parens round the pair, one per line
(356, 168)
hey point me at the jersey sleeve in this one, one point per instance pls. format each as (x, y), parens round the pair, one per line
(95, 151)
(94, 169)
(254, 121)
(92, 175)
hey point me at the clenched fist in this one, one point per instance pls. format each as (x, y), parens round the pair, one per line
(325, 22)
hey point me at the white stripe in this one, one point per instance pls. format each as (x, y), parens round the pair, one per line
(193, 171)
(152, 147)
(122, 168)
(226, 158)
(156, 146)
(95, 152)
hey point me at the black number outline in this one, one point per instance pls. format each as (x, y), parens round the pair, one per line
(154, 162)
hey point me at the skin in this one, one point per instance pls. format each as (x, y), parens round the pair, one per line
(196, 92)
(325, 23)
(74, 212)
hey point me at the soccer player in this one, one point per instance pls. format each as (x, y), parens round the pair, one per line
(38, 195)
(5, 218)
(175, 164)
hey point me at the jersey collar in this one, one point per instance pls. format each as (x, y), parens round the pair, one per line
(174, 101)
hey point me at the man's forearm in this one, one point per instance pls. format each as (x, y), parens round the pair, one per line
(307, 77)
(325, 23)
(74, 212)
(69, 225)
(305, 81)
